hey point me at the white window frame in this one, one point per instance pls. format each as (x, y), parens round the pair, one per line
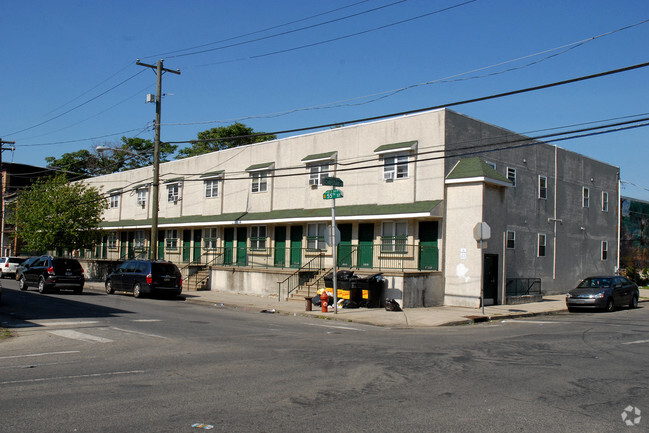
(258, 237)
(511, 240)
(171, 239)
(315, 236)
(511, 175)
(210, 238)
(491, 164)
(139, 240)
(112, 240)
(141, 195)
(585, 197)
(604, 201)
(114, 201)
(543, 187)
(173, 192)
(211, 188)
(259, 181)
(541, 245)
(318, 173)
(604, 251)
(394, 236)
(396, 166)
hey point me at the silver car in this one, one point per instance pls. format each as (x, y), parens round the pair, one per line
(604, 292)
(8, 266)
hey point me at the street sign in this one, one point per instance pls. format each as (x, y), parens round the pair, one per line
(482, 232)
(336, 235)
(332, 181)
(332, 193)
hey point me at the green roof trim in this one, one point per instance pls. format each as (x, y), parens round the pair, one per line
(114, 191)
(260, 166)
(319, 156)
(342, 211)
(475, 167)
(212, 174)
(396, 147)
(175, 179)
(140, 186)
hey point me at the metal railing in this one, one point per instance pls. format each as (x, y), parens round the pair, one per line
(523, 286)
(299, 277)
(192, 270)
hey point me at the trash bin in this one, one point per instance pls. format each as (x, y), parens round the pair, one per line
(343, 283)
(370, 290)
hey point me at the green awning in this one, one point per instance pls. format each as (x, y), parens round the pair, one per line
(404, 146)
(217, 173)
(326, 156)
(263, 166)
(472, 168)
(174, 180)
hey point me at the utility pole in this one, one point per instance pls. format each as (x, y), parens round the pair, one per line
(2, 193)
(155, 185)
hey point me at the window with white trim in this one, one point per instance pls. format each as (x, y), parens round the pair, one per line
(541, 245)
(315, 236)
(139, 240)
(173, 193)
(604, 255)
(511, 239)
(210, 238)
(491, 164)
(171, 239)
(543, 187)
(259, 181)
(141, 196)
(258, 237)
(394, 236)
(114, 201)
(112, 240)
(604, 201)
(585, 197)
(395, 167)
(511, 175)
(211, 188)
(318, 173)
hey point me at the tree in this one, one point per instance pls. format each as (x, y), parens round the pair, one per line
(84, 163)
(224, 137)
(55, 214)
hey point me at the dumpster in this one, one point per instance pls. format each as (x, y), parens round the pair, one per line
(343, 283)
(371, 290)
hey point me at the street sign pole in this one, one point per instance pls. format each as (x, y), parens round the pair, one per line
(333, 251)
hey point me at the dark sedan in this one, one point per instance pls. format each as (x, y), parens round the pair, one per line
(606, 292)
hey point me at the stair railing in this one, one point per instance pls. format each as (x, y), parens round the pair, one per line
(293, 281)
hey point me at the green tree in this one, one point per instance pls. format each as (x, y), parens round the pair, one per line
(224, 137)
(55, 214)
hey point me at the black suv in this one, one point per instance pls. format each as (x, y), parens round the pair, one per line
(47, 272)
(145, 277)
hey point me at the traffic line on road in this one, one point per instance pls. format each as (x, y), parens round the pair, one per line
(533, 322)
(75, 335)
(146, 320)
(138, 333)
(29, 355)
(337, 327)
(63, 323)
(79, 376)
(637, 342)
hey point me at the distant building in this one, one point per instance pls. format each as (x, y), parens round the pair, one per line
(254, 220)
(634, 234)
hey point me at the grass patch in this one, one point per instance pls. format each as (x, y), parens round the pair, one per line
(4, 333)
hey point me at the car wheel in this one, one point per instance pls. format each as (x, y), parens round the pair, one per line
(634, 302)
(137, 290)
(109, 287)
(41, 285)
(610, 305)
(22, 283)
(78, 290)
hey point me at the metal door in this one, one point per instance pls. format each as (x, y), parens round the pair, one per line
(344, 251)
(228, 245)
(296, 246)
(280, 246)
(242, 239)
(428, 252)
(365, 245)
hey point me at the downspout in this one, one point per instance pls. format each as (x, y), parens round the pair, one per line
(554, 241)
(619, 221)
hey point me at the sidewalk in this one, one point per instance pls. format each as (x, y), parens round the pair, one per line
(408, 318)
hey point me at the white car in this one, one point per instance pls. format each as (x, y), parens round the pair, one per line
(8, 266)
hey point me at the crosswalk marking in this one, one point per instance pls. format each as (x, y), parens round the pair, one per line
(75, 335)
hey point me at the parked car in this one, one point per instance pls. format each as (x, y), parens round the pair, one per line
(604, 292)
(25, 264)
(47, 272)
(8, 266)
(145, 277)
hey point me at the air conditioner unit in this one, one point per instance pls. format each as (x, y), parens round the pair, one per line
(388, 175)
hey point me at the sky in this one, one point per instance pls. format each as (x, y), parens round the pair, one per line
(70, 79)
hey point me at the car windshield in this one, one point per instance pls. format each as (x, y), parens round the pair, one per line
(15, 260)
(163, 269)
(594, 283)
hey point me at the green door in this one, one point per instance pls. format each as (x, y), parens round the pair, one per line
(104, 247)
(365, 245)
(123, 245)
(280, 246)
(296, 246)
(344, 250)
(197, 245)
(187, 245)
(161, 245)
(428, 252)
(242, 239)
(228, 245)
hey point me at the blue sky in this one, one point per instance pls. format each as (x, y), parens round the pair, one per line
(70, 82)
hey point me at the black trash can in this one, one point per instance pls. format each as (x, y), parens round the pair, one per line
(376, 286)
(360, 291)
(343, 283)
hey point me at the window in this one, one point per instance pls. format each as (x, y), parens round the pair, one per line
(141, 197)
(543, 187)
(511, 239)
(541, 245)
(259, 181)
(604, 202)
(112, 240)
(171, 239)
(114, 201)
(511, 175)
(604, 250)
(491, 164)
(318, 173)
(394, 236)
(140, 239)
(258, 237)
(211, 188)
(173, 193)
(585, 202)
(315, 236)
(395, 167)
(210, 238)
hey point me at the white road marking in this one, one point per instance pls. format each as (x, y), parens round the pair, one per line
(637, 342)
(80, 376)
(139, 333)
(29, 355)
(337, 327)
(537, 322)
(75, 335)
(146, 320)
(63, 323)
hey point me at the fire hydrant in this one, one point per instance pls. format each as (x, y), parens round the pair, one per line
(324, 297)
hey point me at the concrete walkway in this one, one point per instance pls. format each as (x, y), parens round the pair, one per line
(408, 318)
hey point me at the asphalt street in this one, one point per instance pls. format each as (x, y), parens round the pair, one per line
(100, 363)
